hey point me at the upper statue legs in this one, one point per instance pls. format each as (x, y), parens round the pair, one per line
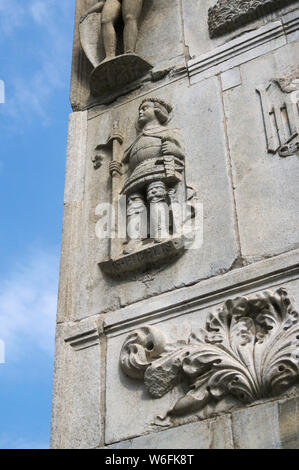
(131, 10)
(131, 13)
(111, 12)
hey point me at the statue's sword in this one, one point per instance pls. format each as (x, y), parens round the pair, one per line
(116, 139)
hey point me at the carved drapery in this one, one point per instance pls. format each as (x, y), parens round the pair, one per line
(228, 15)
(249, 350)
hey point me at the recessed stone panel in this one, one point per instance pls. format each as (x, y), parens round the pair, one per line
(266, 185)
(198, 115)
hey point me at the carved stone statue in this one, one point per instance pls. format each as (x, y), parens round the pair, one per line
(156, 162)
(99, 22)
(151, 176)
(130, 11)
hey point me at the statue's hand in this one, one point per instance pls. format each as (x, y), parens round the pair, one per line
(115, 168)
(169, 148)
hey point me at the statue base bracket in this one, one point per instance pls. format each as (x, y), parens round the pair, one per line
(113, 74)
(146, 258)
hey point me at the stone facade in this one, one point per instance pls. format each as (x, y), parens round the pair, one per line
(171, 344)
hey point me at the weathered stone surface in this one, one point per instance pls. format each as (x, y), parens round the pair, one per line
(257, 427)
(209, 434)
(263, 426)
(291, 25)
(72, 218)
(265, 185)
(289, 423)
(76, 415)
(238, 51)
(231, 78)
(75, 160)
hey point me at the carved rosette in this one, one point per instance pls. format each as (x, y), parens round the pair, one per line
(249, 350)
(228, 15)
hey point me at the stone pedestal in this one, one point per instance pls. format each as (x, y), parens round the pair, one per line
(235, 97)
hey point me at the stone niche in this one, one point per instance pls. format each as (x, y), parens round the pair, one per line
(198, 114)
(265, 182)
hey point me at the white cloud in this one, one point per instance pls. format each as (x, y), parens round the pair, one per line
(28, 298)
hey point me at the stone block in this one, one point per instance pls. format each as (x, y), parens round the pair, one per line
(209, 434)
(291, 25)
(75, 160)
(257, 427)
(289, 423)
(230, 79)
(77, 406)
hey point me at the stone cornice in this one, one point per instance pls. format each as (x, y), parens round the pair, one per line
(258, 276)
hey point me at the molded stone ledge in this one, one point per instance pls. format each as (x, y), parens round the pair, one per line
(261, 275)
(242, 49)
(291, 25)
(84, 340)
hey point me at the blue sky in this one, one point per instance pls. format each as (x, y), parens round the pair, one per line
(35, 61)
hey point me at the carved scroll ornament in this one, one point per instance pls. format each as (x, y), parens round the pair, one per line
(229, 15)
(249, 350)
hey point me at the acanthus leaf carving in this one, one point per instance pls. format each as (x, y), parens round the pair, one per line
(228, 15)
(249, 350)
